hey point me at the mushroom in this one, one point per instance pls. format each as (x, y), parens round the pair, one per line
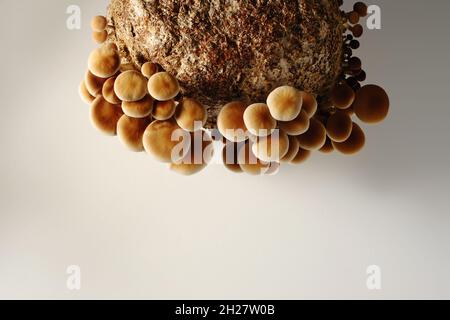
(258, 120)
(108, 91)
(294, 145)
(353, 144)
(104, 116)
(230, 122)
(191, 115)
(104, 62)
(361, 8)
(84, 94)
(99, 36)
(148, 69)
(272, 148)
(131, 130)
(339, 126)
(166, 141)
(249, 163)
(371, 104)
(200, 154)
(230, 154)
(274, 168)
(93, 83)
(309, 104)
(285, 103)
(342, 96)
(302, 156)
(99, 23)
(130, 86)
(315, 137)
(138, 109)
(327, 147)
(164, 110)
(297, 126)
(163, 86)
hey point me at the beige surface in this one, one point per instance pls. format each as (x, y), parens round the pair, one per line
(71, 196)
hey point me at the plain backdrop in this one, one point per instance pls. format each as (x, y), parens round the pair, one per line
(70, 196)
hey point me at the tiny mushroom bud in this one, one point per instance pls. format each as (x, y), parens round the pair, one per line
(130, 132)
(99, 36)
(99, 23)
(230, 122)
(315, 137)
(258, 120)
(285, 103)
(84, 93)
(130, 86)
(104, 62)
(191, 115)
(163, 86)
(104, 116)
(339, 126)
(138, 109)
(148, 69)
(297, 126)
(342, 96)
(164, 110)
(93, 83)
(108, 91)
(272, 148)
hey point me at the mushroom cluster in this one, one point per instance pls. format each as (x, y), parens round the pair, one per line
(143, 105)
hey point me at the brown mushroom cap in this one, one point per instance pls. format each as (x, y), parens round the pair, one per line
(99, 36)
(285, 103)
(258, 120)
(104, 62)
(353, 144)
(294, 145)
(163, 86)
(327, 147)
(230, 154)
(309, 104)
(138, 109)
(148, 69)
(108, 91)
(297, 126)
(191, 115)
(84, 93)
(130, 132)
(130, 86)
(159, 141)
(105, 116)
(230, 122)
(301, 157)
(93, 83)
(272, 148)
(339, 126)
(342, 96)
(164, 110)
(371, 104)
(249, 163)
(99, 23)
(315, 137)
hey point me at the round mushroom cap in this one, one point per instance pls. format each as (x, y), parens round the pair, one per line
(130, 132)
(99, 36)
(93, 83)
(354, 143)
(285, 103)
(148, 69)
(230, 122)
(272, 148)
(164, 110)
(294, 145)
(249, 163)
(105, 116)
(297, 126)
(327, 147)
(371, 104)
(138, 109)
(301, 157)
(230, 154)
(166, 141)
(315, 137)
(99, 23)
(84, 93)
(104, 62)
(310, 104)
(130, 86)
(191, 115)
(342, 96)
(339, 126)
(163, 86)
(259, 121)
(200, 154)
(108, 91)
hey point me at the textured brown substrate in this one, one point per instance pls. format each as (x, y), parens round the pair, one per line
(221, 50)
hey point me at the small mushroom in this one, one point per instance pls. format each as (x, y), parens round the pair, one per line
(108, 91)
(84, 94)
(99, 23)
(104, 62)
(249, 163)
(138, 109)
(93, 83)
(301, 157)
(130, 132)
(297, 126)
(315, 137)
(327, 147)
(148, 69)
(230, 154)
(105, 116)
(166, 141)
(191, 115)
(353, 144)
(99, 36)
(164, 110)
(309, 104)
(285, 103)
(342, 96)
(230, 122)
(371, 104)
(163, 86)
(130, 86)
(361, 8)
(294, 145)
(339, 126)
(272, 148)
(258, 120)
